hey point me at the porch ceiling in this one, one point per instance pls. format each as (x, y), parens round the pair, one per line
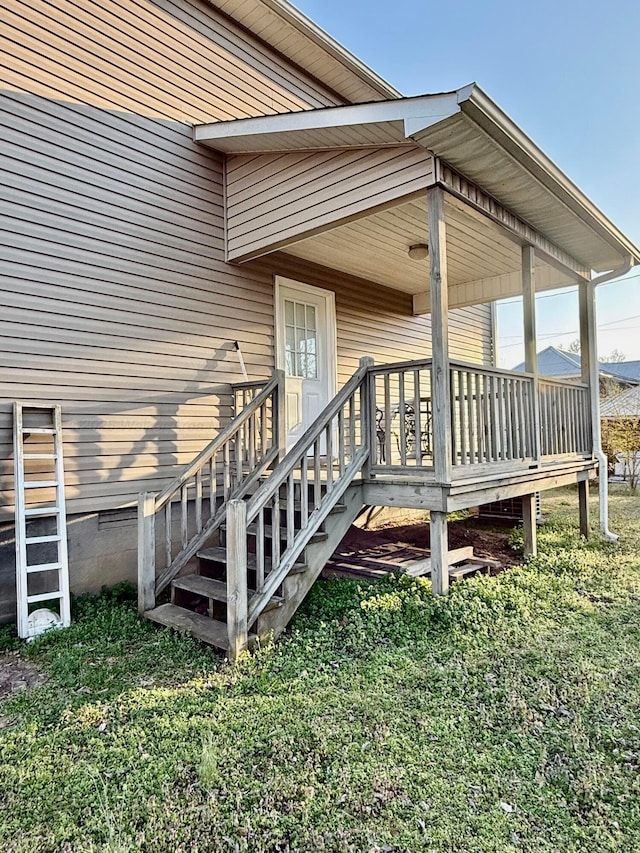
(464, 128)
(376, 248)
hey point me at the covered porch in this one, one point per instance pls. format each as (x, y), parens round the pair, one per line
(441, 197)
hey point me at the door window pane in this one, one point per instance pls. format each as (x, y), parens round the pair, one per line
(300, 339)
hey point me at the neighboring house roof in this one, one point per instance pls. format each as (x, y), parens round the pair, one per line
(626, 404)
(470, 133)
(557, 362)
(629, 370)
(303, 42)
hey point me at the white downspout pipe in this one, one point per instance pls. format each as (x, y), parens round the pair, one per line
(594, 372)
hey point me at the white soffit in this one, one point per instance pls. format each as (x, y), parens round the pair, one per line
(469, 132)
(296, 37)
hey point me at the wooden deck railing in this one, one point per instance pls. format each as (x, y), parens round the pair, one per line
(401, 423)
(194, 505)
(498, 417)
(317, 471)
(565, 417)
(493, 416)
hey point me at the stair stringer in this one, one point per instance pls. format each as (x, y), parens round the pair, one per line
(296, 586)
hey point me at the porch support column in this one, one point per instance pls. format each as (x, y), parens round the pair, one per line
(529, 525)
(530, 366)
(440, 377)
(587, 346)
(439, 543)
(583, 507)
(440, 384)
(529, 309)
(591, 376)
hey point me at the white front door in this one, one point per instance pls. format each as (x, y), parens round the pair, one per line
(306, 351)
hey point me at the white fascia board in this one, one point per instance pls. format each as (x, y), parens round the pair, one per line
(416, 113)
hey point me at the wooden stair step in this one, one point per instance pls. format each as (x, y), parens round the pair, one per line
(219, 555)
(187, 622)
(297, 505)
(318, 536)
(216, 590)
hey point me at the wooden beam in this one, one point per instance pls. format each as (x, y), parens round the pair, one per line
(146, 552)
(237, 596)
(469, 194)
(440, 377)
(583, 507)
(589, 355)
(530, 336)
(439, 545)
(529, 309)
(529, 525)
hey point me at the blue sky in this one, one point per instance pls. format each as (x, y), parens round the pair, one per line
(566, 71)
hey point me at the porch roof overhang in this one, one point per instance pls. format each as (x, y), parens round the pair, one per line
(467, 131)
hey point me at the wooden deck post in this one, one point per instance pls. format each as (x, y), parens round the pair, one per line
(280, 415)
(367, 417)
(237, 597)
(583, 507)
(439, 544)
(529, 525)
(530, 336)
(589, 369)
(146, 552)
(440, 374)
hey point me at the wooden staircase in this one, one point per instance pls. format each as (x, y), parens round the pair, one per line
(254, 526)
(199, 600)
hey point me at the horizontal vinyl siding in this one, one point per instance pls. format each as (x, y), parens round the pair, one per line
(115, 297)
(274, 198)
(181, 60)
(119, 309)
(376, 321)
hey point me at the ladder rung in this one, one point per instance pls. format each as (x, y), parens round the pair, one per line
(43, 567)
(39, 430)
(39, 455)
(43, 596)
(39, 484)
(48, 406)
(38, 540)
(47, 510)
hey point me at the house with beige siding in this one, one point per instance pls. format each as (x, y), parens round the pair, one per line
(258, 282)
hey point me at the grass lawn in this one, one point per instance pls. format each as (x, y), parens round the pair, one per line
(504, 718)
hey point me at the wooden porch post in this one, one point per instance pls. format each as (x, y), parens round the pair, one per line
(590, 376)
(441, 379)
(583, 507)
(529, 309)
(530, 366)
(440, 383)
(237, 596)
(280, 415)
(439, 544)
(146, 552)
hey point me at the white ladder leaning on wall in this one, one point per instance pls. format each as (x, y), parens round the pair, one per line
(39, 470)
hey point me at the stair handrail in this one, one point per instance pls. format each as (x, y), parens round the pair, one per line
(281, 476)
(150, 503)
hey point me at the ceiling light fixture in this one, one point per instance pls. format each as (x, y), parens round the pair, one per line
(419, 252)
